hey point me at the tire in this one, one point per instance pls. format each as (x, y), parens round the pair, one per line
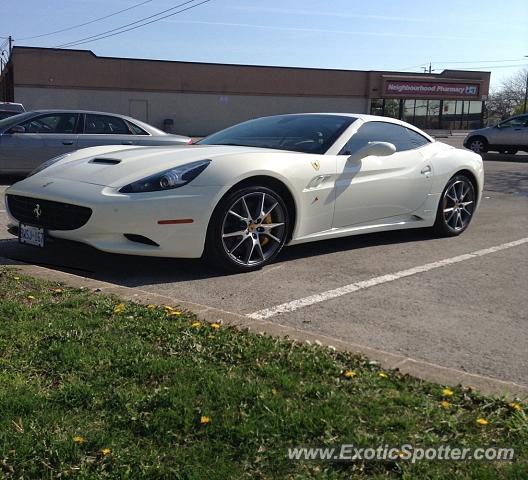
(456, 207)
(478, 144)
(248, 229)
(511, 151)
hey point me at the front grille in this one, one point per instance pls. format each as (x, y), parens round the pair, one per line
(47, 214)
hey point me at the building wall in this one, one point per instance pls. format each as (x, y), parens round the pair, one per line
(194, 114)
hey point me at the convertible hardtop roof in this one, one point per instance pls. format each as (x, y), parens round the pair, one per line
(366, 118)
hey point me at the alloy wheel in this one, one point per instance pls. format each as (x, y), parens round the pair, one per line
(477, 146)
(458, 205)
(253, 228)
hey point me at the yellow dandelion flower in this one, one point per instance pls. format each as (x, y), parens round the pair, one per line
(445, 404)
(215, 325)
(31, 297)
(274, 391)
(151, 307)
(382, 375)
(78, 439)
(174, 313)
(516, 406)
(204, 420)
(16, 278)
(482, 422)
(168, 308)
(105, 452)
(349, 374)
(196, 324)
(58, 290)
(447, 392)
(119, 308)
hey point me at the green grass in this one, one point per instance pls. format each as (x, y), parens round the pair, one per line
(136, 380)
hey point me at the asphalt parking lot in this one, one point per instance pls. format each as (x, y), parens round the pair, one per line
(471, 315)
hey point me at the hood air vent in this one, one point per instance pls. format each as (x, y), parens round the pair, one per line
(105, 161)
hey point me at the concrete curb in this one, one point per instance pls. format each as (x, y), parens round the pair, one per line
(406, 365)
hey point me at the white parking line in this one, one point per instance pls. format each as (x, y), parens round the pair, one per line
(354, 287)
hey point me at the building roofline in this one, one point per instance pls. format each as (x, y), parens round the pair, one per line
(90, 52)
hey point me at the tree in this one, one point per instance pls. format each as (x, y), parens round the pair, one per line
(508, 99)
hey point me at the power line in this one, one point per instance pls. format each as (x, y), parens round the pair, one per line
(484, 61)
(123, 29)
(496, 66)
(425, 64)
(86, 23)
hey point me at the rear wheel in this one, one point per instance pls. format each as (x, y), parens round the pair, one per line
(456, 207)
(248, 229)
(478, 144)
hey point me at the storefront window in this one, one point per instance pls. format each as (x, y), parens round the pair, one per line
(392, 108)
(461, 114)
(376, 106)
(431, 114)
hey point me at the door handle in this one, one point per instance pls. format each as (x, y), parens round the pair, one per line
(127, 142)
(426, 170)
(67, 142)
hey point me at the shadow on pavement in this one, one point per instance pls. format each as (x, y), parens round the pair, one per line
(504, 157)
(136, 271)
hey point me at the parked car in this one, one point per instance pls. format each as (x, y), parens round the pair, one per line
(8, 109)
(509, 136)
(29, 139)
(241, 194)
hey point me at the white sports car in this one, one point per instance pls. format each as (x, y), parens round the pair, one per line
(240, 195)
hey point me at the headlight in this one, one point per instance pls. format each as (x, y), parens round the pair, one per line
(168, 179)
(47, 164)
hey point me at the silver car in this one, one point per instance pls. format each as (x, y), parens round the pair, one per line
(509, 136)
(31, 138)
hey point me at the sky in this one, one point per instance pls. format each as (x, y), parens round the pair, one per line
(403, 35)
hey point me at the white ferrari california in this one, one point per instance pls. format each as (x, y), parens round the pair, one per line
(239, 195)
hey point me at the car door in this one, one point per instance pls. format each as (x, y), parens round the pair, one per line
(44, 136)
(373, 188)
(510, 132)
(105, 130)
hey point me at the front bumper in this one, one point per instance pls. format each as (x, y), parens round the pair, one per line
(115, 214)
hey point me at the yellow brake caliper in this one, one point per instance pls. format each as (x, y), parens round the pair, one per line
(264, 239)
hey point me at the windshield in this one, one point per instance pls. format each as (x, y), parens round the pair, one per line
(296, 133)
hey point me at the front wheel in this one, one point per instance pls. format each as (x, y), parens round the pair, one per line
(456, 207)
(248, 229)
(478, 144)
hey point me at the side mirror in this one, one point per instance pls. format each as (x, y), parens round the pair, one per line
(17, 129)
(377, 149)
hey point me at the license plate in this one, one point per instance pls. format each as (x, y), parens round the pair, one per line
(31, 235)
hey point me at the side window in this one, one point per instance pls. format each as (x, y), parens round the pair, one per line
(105, 125)
(379, 132)
(135, 129)
(417, 140)
(514, 122)
(57, 123)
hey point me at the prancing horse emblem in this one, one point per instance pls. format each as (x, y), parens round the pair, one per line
(316, 165)
(37, 211)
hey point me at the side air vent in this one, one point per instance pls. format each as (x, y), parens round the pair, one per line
(140, 239)
(105, 161)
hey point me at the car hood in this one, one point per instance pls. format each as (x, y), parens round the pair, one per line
(480, 131)
(118, 166)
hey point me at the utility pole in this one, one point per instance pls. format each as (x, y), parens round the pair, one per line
(525, 91)
(10, 44)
